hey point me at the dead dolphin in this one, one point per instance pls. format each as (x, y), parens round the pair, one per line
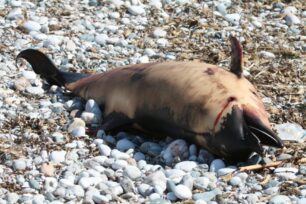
(216, 109)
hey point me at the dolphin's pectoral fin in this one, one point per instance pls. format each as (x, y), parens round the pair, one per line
(115, 120)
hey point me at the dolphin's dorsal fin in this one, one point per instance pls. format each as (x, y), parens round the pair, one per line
(236, 57)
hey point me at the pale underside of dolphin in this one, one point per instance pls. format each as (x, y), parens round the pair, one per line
(217, 109)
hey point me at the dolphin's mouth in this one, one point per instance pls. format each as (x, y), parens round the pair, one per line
(240, 135)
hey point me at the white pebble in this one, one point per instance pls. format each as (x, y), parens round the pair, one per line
(19, 164)
(182, 192)
(104, 149)
(29, 75)
(31, 26)
(132, 172)
(50, 184)
(78, 132)
(216, 165)
(266, 55)
(186, 166)
(58, 156)
(35, 90)
(159, 33)
(233, 18)
(136, 10)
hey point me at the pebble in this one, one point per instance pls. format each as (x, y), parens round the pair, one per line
(182, 192)
(34, 90)
(176, 175)
(216, 165)
(31, 26)
(124, 144)
(136, 10)
(58, 156)
(206, 196)
(286, 173)
(19, 164)
(225, 171)
(292, 19)
(186, 166)
(104, 150)
(176, 149)
(266, 55)
(159, 33)
(279, 199)
(50, 184)
(233, 18)
(47, 169)
(201, 183)
(132, 172)
(30, 75)
(98, 198)
(235, 181)
(12, 197)
(291, 132)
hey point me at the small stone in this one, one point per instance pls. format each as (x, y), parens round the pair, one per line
(201, 183)
(125, 144)
(15, 14)
(119, 164)
(145, 189)
(176, 149)
(266, 55)
(216, 165)
(157, 179)
(233, 18)
(101, 39)
(58, 137)
(235, 181)
(143, 59)
(159, 33)
(58, 156)
(291, 132)
(206, 196)
(222, 9)
(47, 169)
(34, 184)
(104, 149)
(176, 175)
(31, 26)
(98, 198)
(182, 192)
(30, 75)
(132, 172)
(50, 184)
(279, 199)
(119, 155)
(12, 198)
(136, 10)
(151, 148)
(19, 164)
(289, 10)
(149, 52)
(35, 90)
(186, 166)
(21, 83)
(225, 171)
(286, 173)
(139, 156)
(162, 42)
(292, 19)
(70, 45)
(78, 132)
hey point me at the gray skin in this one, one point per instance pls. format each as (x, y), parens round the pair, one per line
(216, 109)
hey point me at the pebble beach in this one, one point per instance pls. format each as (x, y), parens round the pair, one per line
(51, 148)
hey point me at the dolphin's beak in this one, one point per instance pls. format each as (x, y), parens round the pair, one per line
(240, 135)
